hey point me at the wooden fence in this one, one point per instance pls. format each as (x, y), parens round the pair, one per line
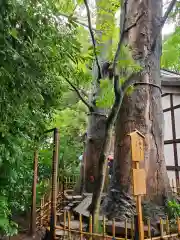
(132, 230)
(43, 211)
(69, 182)
(86, 230)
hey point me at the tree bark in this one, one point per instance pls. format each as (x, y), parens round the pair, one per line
(97, 119)
(95, 138)
(141, 110)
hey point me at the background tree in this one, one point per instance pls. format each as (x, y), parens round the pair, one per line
(170, 54)
(38, 51)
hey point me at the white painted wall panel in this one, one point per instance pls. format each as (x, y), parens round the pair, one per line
(176, 99)
(167, 126)
(177, 122)
(171, 175)
(170, 89)
(178, 152)
(169, 154)
(166, 102)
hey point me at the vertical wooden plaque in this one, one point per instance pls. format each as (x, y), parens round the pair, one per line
(137, 146)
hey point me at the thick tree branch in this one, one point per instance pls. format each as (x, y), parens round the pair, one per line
(116, 87)
(93, 38)
(124, 31)
(79, 95)
(168, 11)
(134, 23)
(122, 34)
(119, 92)
(163, 20)
(118, 99)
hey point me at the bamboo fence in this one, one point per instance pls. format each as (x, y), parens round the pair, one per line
(43, 217)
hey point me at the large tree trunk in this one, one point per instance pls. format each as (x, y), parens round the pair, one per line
(97, 119)
(95, 138)
(142, 111)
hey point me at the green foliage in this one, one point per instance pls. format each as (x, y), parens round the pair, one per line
(173, 210)
(126, 65)
(7, 226)
(174, 15)
(72, 124)
(105, 25)
(171, 52)
(37, 51)
(106, 98)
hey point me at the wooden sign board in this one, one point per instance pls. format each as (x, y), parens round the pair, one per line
(139, 182)
(137, 146)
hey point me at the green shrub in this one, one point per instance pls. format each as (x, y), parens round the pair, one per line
(173, 209)
(7, 227)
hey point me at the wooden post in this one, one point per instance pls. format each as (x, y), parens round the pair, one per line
(125, 226)
(33, 206)
(69, 225)
(90, 226)
(49, 207)
(140, 220)
(42, 210)
(113, 228)
(132, 228)
(69, 221)
(104, 226)
(57, 185)
(161, 228)
(64, 221)
(139, 212)
(167, 225)
(138, 176)
(178, 225)
(54, 185)
(149, 228)
(80, 227)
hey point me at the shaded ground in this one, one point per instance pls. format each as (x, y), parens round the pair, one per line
(23, 223)
(24, 236)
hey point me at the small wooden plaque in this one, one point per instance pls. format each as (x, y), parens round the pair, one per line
(139, 182)
(137, 147)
